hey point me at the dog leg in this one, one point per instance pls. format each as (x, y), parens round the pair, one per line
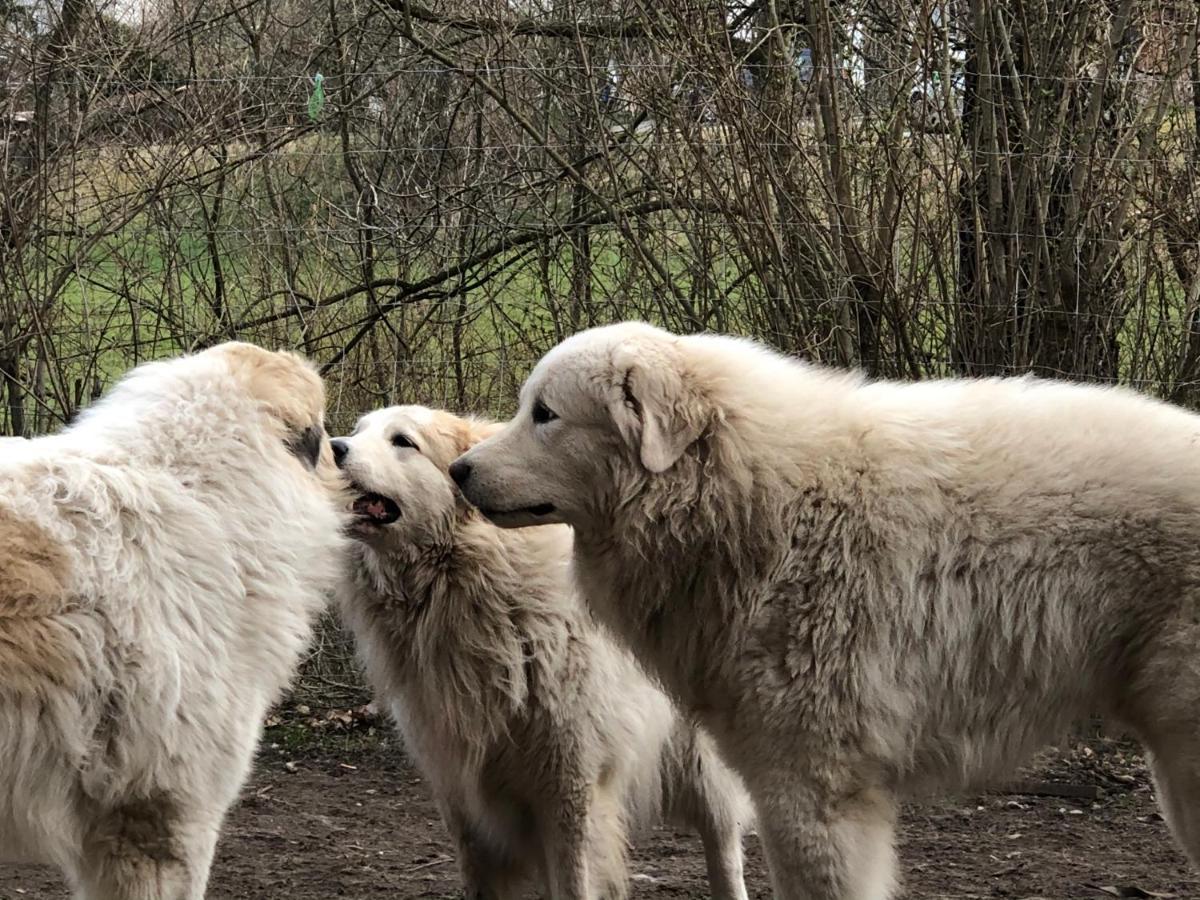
(1164, 709)
(566, 846)
(567, 869)
(1173, 742)
(147, 850)
(607, 846)
(484, 873)
(818, 849)
(701, 792)
(477, 868)
(1175, 765)
(723, 859)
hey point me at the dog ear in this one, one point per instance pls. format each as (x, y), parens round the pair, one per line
(306, 445)
(653, 406)
(473, 430)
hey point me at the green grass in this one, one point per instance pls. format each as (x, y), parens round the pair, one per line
(146, 290)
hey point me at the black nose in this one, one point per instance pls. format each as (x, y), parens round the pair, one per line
(340, 448)
(460, 471)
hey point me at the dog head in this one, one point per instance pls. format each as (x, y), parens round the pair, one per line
(396, 461)
(605, 409)
(266, 400)
(288, 392)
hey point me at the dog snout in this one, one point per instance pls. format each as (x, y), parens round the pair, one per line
(340, 448)
(460, 471)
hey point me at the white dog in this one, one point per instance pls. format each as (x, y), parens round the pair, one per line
(543, 743)
(867, 589)
(161, 561)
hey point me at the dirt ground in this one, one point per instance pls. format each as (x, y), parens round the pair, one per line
(346, 816)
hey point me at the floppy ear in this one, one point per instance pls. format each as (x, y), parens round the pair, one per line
(478, 430)
(306, 445)
(653, 406)
(467, 431)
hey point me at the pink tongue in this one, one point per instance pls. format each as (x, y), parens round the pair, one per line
(375, 509)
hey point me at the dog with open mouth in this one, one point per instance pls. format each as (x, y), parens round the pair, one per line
(544, 744)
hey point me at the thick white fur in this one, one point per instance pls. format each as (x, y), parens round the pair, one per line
(161, 561)
(865, 590)
(544, 743)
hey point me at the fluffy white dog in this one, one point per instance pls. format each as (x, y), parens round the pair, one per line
(161, 562)
(868, 589)
(543, 742)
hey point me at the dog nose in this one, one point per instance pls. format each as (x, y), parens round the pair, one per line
(460, 471)
(340, 448)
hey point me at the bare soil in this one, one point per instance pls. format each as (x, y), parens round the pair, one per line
(344, 815)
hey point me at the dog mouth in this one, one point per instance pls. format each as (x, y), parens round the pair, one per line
(370, 508)
(536, 511)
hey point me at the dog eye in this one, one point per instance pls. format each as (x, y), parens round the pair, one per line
(542, 413)
(401, 440)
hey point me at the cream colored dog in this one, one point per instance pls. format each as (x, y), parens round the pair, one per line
(161, 561)
(866, 589)
(543, 743)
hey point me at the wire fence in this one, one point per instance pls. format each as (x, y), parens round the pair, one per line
(425, 199)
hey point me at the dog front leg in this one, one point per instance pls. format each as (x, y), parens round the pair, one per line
(483, 872)
(147, 850)
(566, 847)
(822, 847)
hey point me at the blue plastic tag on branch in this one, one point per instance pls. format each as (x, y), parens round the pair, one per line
(316, 100)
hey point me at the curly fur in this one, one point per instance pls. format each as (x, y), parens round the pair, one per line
(161, 562)
(868, 590)
(543, 743)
